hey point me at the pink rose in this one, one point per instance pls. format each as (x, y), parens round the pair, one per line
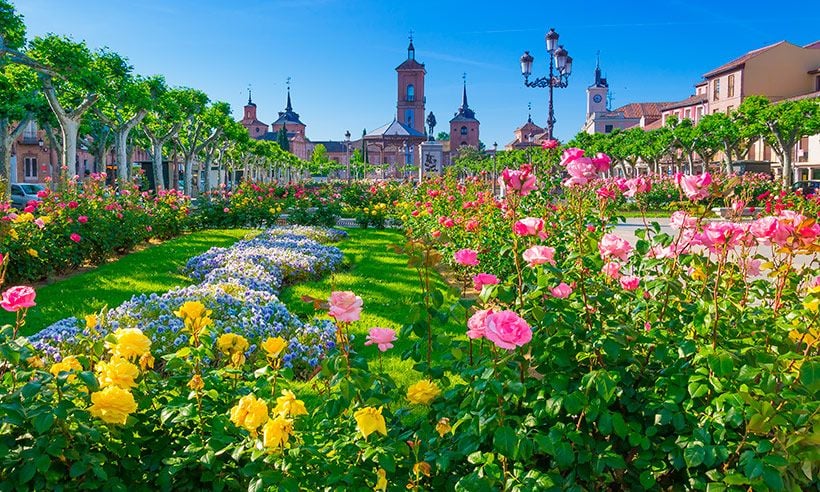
(612, 246)
(612, 270)
(466, 257)
(483, 279)
(561, 291)
(382, 337)
(518, 181)
(345, 306)
(629, 282)
(636, 186)
(570, 155)
(75, 237)
(530, 226)
(682, 220)
(39, 223)
(507, 330)
(17, 298)
(82, 219)
(602, 162)
(581, 170)
(2, 258)
(72, 204)
(549, 144)
(538, 255)
(605, 193)
(471, 225)
(477, 323)
(771, 230)
(695, 187)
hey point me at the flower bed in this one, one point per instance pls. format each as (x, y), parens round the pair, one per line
(239, 285)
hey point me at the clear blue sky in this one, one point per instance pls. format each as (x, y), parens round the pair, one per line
(341, 54)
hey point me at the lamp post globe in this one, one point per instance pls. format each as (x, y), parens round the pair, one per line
(551, 39)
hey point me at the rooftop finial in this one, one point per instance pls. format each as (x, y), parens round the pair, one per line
(464, 91)
(411, 50)
(250, 101)
(289, 107)
(529, 112)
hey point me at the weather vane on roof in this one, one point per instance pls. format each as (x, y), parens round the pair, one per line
(464, 77)
(411, 35)
(287, 82)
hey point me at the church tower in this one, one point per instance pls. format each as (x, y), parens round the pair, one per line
(597, 93)
(410, 101)
(464, 125)
(256, 129)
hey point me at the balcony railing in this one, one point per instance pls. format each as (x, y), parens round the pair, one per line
(30, 140)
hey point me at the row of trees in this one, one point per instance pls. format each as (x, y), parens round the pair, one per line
(94, 98)
(716, 137)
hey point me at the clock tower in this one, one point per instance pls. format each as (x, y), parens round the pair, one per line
(597, 93)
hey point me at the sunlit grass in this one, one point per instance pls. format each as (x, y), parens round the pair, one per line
(381, 277)
(154, 269)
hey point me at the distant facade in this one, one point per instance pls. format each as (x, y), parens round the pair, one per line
(527, 135)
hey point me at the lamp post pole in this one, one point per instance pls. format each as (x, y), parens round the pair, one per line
(495, 165)
(560, 68)
(347, 153)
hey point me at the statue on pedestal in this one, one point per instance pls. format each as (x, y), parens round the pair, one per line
(431, 123)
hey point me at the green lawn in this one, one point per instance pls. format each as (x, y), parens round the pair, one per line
(385, 283)
(154, 269)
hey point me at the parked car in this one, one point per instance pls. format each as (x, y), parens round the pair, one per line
(22, 193)
(807, 188)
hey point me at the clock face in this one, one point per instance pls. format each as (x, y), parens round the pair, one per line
(597, 98)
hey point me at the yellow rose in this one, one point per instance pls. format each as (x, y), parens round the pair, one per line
(24, 217)
(146, 361)
(370, 420)
(192, 310)
(196, 383)
(68, 364)
(46, 219)
(276, 432)
(31, 252)
(288, 405)
(443, 426)
(423, 392)
(381, 480)
(15, 236)
(117, 372)
(91, 321)
(231, 343)
(274, 346)
(36, 362)
(249, 413)
(131, 343)
(113, 405)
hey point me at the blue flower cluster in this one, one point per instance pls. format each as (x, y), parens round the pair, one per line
(240, 285)
(281, 256)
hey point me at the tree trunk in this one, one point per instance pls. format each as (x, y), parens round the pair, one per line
(788, 178)
(186, 178)
(69, 125)
(121, 144)
(7, 137)
(156, 158)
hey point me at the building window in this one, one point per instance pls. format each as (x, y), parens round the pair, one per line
(730, 86)
(30, 133)
(817, 83)
(408, 117)
(607, 128)
(687, 113)
(729, 109)
(257, 130)
(700, 111)
(411, 93)
(464, 130)
(30, 164)
(716, 90)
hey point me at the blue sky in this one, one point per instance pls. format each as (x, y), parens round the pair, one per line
(341, 54)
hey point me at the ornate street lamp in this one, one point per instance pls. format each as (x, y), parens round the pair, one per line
(347, 152)
(495, 165)
(560, 69)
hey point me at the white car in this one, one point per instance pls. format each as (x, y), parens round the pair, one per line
(22, 193)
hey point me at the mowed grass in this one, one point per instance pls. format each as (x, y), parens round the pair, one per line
(154, 269)
(388, 287)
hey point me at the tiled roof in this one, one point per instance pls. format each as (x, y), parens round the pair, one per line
(410, 64)
(335, 146)
(740, 60)
(252, 122)
(813, 46)
(689, 101)
(639, 110)
(654, 125)
(395, 129)
(529, 125)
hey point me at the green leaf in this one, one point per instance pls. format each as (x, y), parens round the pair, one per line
(694, 455)
(647, 479)
(43, 421)
(28, 471)
(810, 375)
(505, 441)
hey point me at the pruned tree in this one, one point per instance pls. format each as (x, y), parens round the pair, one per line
(195, 132)
(71, 95)
(781, 125)
(161, 124)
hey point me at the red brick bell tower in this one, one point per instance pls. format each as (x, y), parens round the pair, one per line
(410, 105)
(255, 127)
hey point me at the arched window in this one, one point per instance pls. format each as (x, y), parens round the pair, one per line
(464, 130)
(411, 93)
(408, 117)
(257, 130)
